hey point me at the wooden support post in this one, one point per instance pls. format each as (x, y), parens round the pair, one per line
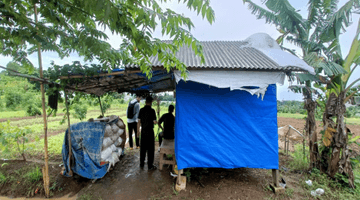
(46, 167)
(101, 107)
(275, 186)
(275, 174)
(180, 181)
(69, 132)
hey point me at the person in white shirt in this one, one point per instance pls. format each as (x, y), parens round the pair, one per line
(132, 113)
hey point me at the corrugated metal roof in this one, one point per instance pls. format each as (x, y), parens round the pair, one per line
(226, 55)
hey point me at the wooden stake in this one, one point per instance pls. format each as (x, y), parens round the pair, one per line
(46, 169)
(275, 174)
(101, 107)
(69, 132)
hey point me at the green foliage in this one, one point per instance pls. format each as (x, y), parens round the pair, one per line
(34, 175)
(353, 111)
(13, 99)
(291, 107)
(300, 158)
(66, 26)
(13, 138)
(80, 111)
(33, 110)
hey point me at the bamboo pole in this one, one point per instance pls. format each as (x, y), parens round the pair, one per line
(46, 168)
(69, 132)
(101, 107)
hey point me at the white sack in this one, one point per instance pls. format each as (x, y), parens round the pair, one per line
(118, 142)
(120, 124)
(106, 142)
(120, 132)
(115, 128)
(119, 151)
(108, 131)
(115, 157)
(113, 148)
(105, 154)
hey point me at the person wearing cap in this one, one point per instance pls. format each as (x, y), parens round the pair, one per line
(147, 119)
(132, 113)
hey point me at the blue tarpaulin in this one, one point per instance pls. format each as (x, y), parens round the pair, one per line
(86, 143)
(220, 128)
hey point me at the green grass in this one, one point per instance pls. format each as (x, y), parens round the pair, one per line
(300, 162)
(290, 115)
(12, 114)
(353, 121)
(33, 175)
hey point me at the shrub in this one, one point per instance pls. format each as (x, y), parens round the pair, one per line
(33, 110)
(80, 111)
(13, 99)
(13, 138)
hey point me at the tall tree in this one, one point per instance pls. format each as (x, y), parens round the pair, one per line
(318, 37)
(67, 26)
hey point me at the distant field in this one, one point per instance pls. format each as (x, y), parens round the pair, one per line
(300, 116)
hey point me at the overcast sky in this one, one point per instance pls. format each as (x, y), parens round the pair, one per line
(233, 21)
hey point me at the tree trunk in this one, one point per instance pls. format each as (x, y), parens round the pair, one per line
(310, 128)
(340, 154)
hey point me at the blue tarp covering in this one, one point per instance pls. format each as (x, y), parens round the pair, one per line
(225, 129)
(86, 143)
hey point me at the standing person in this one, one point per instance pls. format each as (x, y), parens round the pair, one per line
(169, 125)
(132, 113)
(147, 119)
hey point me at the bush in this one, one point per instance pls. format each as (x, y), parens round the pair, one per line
(33, 110)
(13, 99)
(13, 138)
(80, 111)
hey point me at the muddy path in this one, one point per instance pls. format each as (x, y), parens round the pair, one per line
(128, 181)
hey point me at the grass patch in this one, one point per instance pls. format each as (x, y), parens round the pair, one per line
(54, 145)
(334, 188)
(33, 175)
(352, 121)
(300, 161)
(290, 115)
(12, 114)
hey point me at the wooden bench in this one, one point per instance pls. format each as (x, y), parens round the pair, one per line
(167, 148)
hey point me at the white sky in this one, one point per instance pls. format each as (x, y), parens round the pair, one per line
(233, 21)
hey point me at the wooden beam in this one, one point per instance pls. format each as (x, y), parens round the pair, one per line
(100, 75)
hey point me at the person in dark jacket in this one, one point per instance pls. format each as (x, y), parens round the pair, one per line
(147, 119)
(169, 125)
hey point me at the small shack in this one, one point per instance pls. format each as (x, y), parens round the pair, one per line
(226, 109)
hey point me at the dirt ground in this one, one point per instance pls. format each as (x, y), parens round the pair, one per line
(128, 181)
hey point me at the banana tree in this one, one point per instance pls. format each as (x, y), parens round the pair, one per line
(339, 93)
(318, 37)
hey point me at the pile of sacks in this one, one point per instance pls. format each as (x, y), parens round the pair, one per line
(113, 141)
